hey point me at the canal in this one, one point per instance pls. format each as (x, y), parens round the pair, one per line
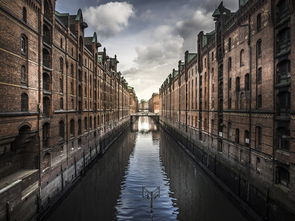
(143, 162)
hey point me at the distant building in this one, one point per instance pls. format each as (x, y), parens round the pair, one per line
(143, 105)
(154, 103)
(134, 107)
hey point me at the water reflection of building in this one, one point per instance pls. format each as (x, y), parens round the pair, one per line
(100, 188)
(194, 192)
(144, 124)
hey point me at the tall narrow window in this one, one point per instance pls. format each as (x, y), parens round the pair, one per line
(247, 138)
(45, 134)
(72, 127)
(258, 22)
(24, 102)
(85, 123)
(247, 82)
(238, 87)
(61, 103)
(72, 70)
(259, 76)
(242, 54)
(237, 136)
(258, 140)
(259, 48)
(61, 85)
(24, 77)
(46, 82)
(24, 45)
(61, 65)
(61, 43)
(259, 101)
(72, 87)
(79, 127)
(229, 83)
(62, 129)
(24, 14)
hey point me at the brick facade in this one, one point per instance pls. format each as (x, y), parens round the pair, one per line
(60, 96)
(234, 96)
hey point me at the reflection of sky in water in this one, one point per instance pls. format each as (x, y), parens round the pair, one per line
(146, 124)
(145, 170)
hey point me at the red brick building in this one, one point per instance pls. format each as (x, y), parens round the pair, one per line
(61, 96)
(233, 99)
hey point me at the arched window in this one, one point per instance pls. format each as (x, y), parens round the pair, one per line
(46, 58)
(258, 22)
(46, 82)
(72, 127)
(47, 10)
(24, 45)
(242, 55)
(24, 14)
(46, 34)
(229, 64)
(45, 134)
(24, 102)
(247, 82)
(259, 48)
(229, 44)
(46, 106)
(61, 65)
(24, 76)
(62, 129)
(258, 137)
(61, 103)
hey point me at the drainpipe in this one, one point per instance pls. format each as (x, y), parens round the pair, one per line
(39, 103)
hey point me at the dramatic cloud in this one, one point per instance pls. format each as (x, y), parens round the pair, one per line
(110, 18)
(164, 45)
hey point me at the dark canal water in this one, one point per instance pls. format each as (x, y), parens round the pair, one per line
(146, 158)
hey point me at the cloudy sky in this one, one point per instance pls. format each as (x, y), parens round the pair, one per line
(148, 36)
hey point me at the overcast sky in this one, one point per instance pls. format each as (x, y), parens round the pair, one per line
(148, 36)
